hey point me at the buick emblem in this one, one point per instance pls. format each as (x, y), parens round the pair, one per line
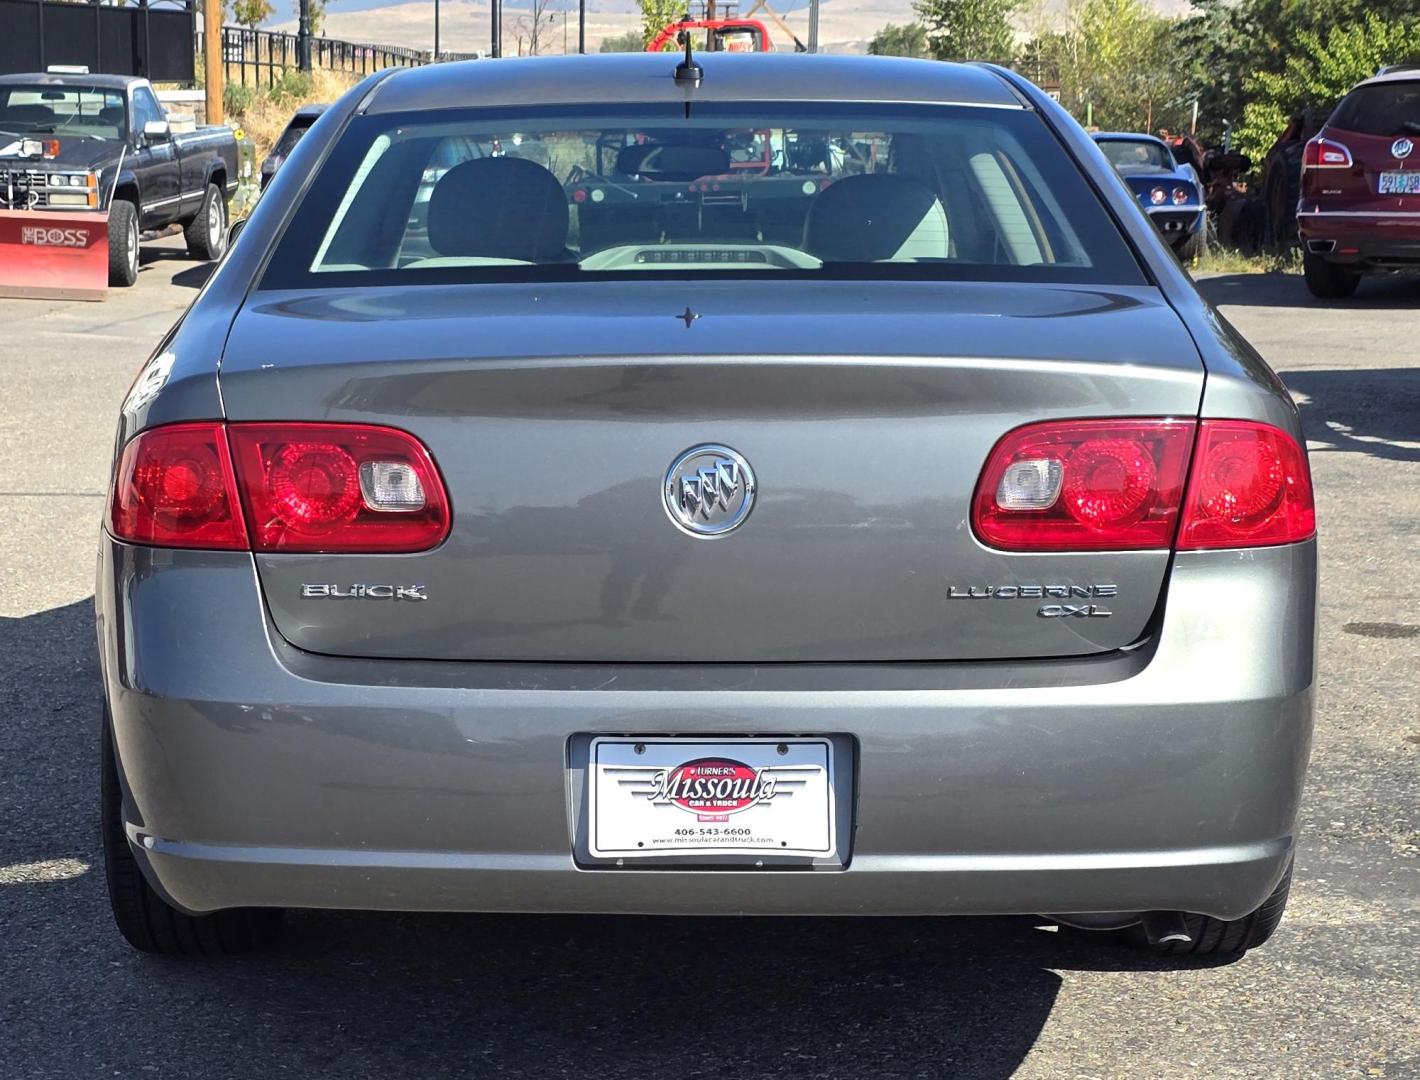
(708, 491)
(1401, 148)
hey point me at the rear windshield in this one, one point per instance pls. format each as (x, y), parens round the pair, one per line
(61, 110)
(1137, 155)
(772, 190)
(1391, 108)
(292, 135)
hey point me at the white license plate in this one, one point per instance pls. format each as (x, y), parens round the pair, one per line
(1400, 183)
(721, 797)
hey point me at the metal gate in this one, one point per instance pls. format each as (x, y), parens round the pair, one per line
(151, 38)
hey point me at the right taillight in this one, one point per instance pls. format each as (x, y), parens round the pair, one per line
(1249, 486)
(1084, 485)
(1322, 153)
(288, 487)
(1134, 484)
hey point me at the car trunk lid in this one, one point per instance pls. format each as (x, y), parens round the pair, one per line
(865, 411)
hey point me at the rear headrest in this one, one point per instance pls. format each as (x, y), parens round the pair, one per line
(658, 161)
(501, 208)
(31, 114)
(876, 216)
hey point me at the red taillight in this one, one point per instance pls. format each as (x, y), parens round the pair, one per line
(1249, 487)
(335, 488)
(1322, 153)
(338, 488)
(1076, 485)
(174, 488)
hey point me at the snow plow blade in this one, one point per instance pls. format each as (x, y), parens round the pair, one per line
(53, 255)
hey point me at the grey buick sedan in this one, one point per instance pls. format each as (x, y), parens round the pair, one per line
(750, 485)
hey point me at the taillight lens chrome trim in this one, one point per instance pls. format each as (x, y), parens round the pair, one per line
(1121, 484)
(284, 487)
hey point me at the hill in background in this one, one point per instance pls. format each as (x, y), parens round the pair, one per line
(844, 25)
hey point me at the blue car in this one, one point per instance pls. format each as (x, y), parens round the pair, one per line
(1169, 192)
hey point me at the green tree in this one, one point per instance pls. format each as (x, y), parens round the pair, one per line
(631, 41)
(1114, 63)
(1318, 72)
(969, 29)
(1126, 70)
(251, 12)
(907, 40)
(656, 15)
(1224, 43)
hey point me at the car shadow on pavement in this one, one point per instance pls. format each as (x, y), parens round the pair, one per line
(193, 277)
(1373, 411)
(1397, 292)
(368, 994)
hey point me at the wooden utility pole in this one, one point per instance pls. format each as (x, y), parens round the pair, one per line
(212, 59)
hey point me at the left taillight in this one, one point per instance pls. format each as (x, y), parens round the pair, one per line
(174, 487)
(280, 487)
(1322, 153)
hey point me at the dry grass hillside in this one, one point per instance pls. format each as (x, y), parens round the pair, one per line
(844, 26)
(266, 112)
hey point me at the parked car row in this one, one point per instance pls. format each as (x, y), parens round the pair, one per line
(1346, 187)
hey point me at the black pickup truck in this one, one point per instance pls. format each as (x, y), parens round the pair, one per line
(77, 142)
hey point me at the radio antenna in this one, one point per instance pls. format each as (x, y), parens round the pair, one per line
(688, 72)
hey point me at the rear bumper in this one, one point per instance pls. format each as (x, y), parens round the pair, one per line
(1176, 222)
(1382, 241)
(1163, 777)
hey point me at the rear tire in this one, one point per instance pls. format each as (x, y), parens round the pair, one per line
(1326, 280)
(1229, 937)
(1189, 249)
(145, 919)
(206, 234)
(122, 244)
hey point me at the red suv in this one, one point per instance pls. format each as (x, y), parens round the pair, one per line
(1360, 207)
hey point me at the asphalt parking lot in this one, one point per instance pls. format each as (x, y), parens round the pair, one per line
(1336, 993)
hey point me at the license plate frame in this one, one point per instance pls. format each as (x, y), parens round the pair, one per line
(1399, 182)
(635, 808)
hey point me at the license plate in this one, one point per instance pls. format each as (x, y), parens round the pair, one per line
(1400, 183)
(653, 797)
